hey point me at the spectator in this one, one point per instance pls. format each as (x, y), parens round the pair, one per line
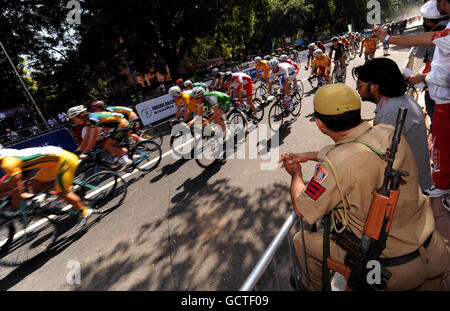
(19, 123)
(63, 117)
(381, 82)
(432, 21)
(11, 135)
(52, 122)
(438, 81)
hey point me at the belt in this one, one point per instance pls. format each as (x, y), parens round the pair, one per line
(397, 261)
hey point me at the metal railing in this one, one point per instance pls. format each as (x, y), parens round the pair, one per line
(268, 256)
(33, 131)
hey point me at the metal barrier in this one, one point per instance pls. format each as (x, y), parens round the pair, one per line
(268, 256)
(33, 131)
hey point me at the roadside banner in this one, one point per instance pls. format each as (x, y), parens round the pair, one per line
(155, 109)
(60, 138)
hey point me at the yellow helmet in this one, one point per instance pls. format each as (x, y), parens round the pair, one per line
(335, 99)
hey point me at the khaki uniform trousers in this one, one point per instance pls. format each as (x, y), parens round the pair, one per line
(423, 273)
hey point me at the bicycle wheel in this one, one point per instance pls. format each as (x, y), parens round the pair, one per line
(236, 122)
(152, 133)
(259, 109)
(103, 191)
(149, 153)
(297, 108)
(208, 151)
(276, 116)
(31, 239)
(181, 141)
(301, 88)
(260, 91)
(314, 83)
(7, 232)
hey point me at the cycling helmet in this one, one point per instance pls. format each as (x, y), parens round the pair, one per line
(198, 91)
(283, 57)
(317, 52)
(227, 76)
(215, 70)
(267, 57)
(175, 91)
(273, 63)
(179, 82)
(257, 59)
(98, 103)
(335, 39)
(311, 46)
(76, 111)
(187, 83)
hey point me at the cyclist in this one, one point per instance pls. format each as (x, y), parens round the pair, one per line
(287, 73)
(128, 113)
(320, 45)
(180, 82)
(339, 51)
(370, 45)
(217, 79)
(311, 48)
(188, 85)
(217, 101)
(244, 82)
(264, 66)
(114, 123)
(56, 168)
(321, 66)
(284, 59)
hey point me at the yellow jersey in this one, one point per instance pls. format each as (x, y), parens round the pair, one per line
(264, 65)
(370, 44)
(322, 62)
(187, 100)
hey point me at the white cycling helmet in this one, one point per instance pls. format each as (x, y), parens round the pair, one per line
(198, 91)
(76, 111)
(175, 91)
(215, 70)
(283, 57)
(187, 83)
(311, 46)
(317, 52)
(273, 63)
(257, 59)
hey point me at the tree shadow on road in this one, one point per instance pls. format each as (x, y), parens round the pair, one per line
(211, 240)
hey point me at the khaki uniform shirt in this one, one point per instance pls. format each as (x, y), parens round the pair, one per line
(361, 172)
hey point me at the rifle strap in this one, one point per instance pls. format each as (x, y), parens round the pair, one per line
(326, 277)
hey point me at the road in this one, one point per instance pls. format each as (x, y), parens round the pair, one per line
(185, 228)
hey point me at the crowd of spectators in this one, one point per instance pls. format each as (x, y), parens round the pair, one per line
(25, 124)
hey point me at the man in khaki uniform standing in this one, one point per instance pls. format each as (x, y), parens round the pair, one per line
(415, 253)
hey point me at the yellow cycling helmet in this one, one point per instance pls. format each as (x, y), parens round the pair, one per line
(335, 99)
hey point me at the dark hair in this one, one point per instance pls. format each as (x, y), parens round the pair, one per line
(385, 73)
(340, 122)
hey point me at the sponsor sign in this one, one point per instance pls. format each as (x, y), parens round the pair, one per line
(156, 109)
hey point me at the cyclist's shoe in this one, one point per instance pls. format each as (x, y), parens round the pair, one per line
(83, 219)
(434, 192)
(125, 162)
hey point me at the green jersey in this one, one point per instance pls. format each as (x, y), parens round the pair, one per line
(217, 98)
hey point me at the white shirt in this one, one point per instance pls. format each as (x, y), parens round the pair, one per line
(285, 70)
(438, 80)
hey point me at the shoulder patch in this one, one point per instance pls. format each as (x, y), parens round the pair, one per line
(314, 190)
(320, 175)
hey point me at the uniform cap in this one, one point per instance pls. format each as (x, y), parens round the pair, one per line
(335, 99)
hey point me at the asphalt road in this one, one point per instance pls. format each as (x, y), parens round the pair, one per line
(182, 227)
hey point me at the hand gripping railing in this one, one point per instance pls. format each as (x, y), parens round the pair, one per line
(269, 254)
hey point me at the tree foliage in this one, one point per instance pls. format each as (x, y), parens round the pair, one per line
(71, 63)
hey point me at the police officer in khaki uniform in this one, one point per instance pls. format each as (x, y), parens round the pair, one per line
(358, 171)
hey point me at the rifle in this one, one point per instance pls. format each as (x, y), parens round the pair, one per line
(377, 225)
